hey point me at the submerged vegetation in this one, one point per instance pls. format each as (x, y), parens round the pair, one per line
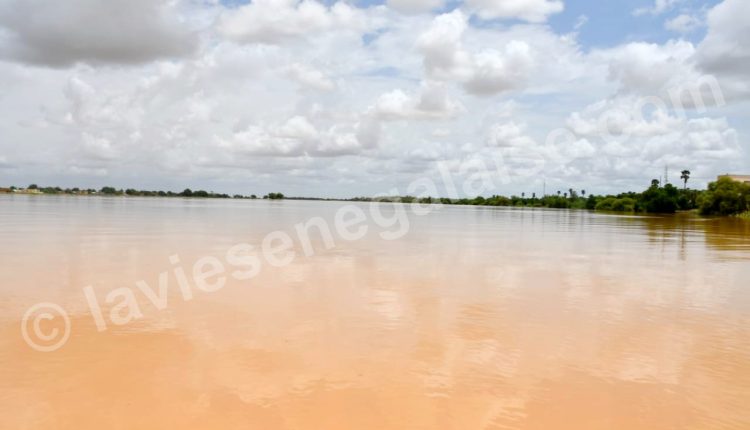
(723, 197)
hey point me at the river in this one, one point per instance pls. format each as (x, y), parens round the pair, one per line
(460, 318)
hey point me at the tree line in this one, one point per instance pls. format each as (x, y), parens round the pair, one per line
(112, 191)
(722, 197)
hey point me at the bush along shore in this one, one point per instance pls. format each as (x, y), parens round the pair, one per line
(724, 197)
(112, 191)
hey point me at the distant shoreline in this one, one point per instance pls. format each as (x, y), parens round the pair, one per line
(331, 199)
(724, 197)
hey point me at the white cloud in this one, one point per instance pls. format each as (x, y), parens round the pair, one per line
(580, 22)
(415, 6)
(99, 147)
(683, 23)
(310, 77)
(658, 8)
(431, 103)
(621, 129)
(441, 46)
(486, 72)
(495, 71)
(621, 118)
(527, 10)
(723, 51)
(647, 68)
(339, 96)
(274, 21)
(295, 137)
(59, 33)
(509, 134)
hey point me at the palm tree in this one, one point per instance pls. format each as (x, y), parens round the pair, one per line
(583, 193)
(523, 195)
(685, 176)
(558, 192)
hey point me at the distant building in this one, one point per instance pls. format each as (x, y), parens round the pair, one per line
(738, 178)
(5, 190)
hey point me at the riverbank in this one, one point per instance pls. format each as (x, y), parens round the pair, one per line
(724, 197)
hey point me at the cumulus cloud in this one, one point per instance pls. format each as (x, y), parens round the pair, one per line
(497, 71)
(58, 34)
(486, 72)
(683, 23)
(431, 103)
(527, 10)
(310, 77)
(622, 129)
(295, 137)
(658, 8)
(335, 94)
(414, 6)
(274, 21)
(287, 139)
(509, 134)
(723, 51)
(647, 68)
(441, 46)
(621, 118)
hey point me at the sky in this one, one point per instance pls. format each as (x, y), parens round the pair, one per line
(358, 98)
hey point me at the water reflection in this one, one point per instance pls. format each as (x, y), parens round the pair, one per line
(479, 318)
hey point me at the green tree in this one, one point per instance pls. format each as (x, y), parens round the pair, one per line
(660, 200)
(33, 187)
(591, 202)
(624, 204)
(725, 197)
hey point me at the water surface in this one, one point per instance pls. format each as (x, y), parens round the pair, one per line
(478, 318)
